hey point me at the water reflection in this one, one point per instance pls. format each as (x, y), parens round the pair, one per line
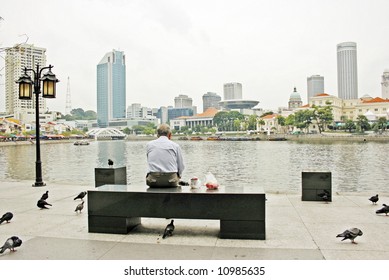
(273, 166)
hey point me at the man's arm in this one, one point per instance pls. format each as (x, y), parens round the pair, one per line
(180, 162)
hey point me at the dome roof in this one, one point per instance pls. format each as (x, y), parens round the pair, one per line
(295, 95)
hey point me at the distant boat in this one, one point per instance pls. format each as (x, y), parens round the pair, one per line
(196, 138)
(214, 138)
(277, 139)
(81, 143)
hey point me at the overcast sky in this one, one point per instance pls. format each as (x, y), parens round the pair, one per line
(192, 47)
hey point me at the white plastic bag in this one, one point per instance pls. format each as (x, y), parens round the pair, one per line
(210, 181)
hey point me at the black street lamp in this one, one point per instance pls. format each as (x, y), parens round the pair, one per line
(25, 92)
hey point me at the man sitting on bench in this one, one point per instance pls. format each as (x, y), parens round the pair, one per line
(164, 159)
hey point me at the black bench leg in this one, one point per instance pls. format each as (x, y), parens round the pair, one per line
(104, 224)
(242, 229)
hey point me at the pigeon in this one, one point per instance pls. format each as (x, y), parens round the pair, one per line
(81, 195)
(110, 162)
(383, 210)
(80, 207)
(325, 195)
(351, 234)
(11, 243)
(45, 195)
(169, 230)
(42, 204)
(374, 199)
(6, 217)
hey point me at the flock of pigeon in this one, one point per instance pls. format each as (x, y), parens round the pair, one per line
(353, 233)
(14, 241)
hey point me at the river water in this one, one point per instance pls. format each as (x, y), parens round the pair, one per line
(274, 166)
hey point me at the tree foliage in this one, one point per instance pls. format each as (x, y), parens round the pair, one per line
(225, 121)
(80, 114)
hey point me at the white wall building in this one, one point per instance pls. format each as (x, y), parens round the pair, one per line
(18, 58)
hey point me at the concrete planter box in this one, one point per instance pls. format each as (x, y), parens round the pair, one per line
(113, 176)
(315, 183)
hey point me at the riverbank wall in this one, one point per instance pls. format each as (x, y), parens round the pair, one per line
(317, 138)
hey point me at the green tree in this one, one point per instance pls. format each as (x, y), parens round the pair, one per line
(323, 116)
(225, 120)
(303, 118)
(127, 131)
(349, 125)
(382, 123)
(281, 120)
(252, 122)
(363, 123)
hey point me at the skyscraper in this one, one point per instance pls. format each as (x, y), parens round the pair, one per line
(111, 88)
(232, 91)
(385, 84)
(182, 101)
(18, 58)
(347, 70)
(315, 85)
(211, 99)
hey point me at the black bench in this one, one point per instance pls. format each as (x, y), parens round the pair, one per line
(119, 208)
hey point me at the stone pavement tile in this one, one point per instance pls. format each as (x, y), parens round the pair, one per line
(35, 223)
(281, 215)
(277, 200)
(343, 215)
(47, 248)
(222, 253)
(77, 227)
(139, 251)
(355, 255)
(287, 236)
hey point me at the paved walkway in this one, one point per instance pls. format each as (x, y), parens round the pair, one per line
(295, 230)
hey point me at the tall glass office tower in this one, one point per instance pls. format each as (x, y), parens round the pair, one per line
(111, 88)
(347, 70)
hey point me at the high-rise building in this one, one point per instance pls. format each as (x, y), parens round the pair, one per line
(347, 70)
(182, 101)
(211, 100)
(294, 100)
(111, 88)
(385, 84)
(315, 85)
(18, 58)
(232, 91)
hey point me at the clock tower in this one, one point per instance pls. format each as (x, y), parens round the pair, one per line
(385, 84)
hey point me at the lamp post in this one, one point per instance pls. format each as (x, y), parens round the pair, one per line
(25, 92)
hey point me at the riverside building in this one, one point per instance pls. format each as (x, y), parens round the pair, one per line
(18, 58)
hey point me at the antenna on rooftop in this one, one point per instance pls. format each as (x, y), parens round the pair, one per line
(68, 107)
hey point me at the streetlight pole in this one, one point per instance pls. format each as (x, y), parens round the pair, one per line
(25, 92)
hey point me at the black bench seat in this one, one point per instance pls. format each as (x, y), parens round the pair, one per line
(119, 208)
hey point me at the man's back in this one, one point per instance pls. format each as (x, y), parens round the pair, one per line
(164, 160)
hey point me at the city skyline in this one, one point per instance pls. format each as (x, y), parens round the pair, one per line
(194, 47)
